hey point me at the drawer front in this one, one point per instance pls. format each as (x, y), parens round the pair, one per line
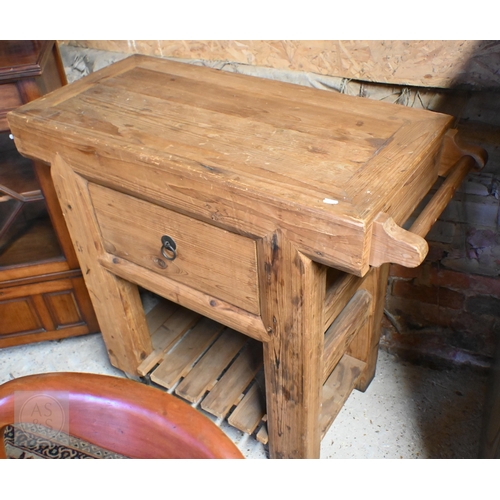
(209, 259)
(9, 100)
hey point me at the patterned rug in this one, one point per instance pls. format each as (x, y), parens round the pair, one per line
(35, 441)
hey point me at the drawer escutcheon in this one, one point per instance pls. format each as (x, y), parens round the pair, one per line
(168, 247)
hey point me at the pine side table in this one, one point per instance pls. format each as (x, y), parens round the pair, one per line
(270, 208)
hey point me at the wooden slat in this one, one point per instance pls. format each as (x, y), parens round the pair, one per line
(158, 315)
(166, 336)
(224, 393)
(179, 360)
(338, 294)
(237, 378)
(211, 365)
(262, 435)
(251, 409)
(337, 389)
(344, 328)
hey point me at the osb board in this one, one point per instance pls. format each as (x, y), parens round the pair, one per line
(424, 63)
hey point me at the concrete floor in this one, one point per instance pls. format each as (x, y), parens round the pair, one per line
(408, 411)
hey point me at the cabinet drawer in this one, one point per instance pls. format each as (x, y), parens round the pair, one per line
(9, 100)
(209, 259)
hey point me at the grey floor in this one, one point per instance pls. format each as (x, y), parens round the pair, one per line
(407, 412)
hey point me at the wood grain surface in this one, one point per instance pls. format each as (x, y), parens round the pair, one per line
(258, 154)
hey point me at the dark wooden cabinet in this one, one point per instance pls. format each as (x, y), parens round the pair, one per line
(42, 292)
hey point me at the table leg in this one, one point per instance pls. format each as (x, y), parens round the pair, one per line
(292, 303)
(116, 302)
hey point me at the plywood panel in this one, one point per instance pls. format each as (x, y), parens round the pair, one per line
(426, 63)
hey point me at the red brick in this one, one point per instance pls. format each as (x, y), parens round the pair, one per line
(417, 314)
(423, 278)
(473, 325)
(483, 305)
(403, 272)
(485, 284)
(436, 253)
(449, 279)
(429, 294)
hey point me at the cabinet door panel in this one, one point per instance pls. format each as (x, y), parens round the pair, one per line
(19, 316)
(63, 308)
(48, 310)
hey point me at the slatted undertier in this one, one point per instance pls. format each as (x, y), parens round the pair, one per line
(220, 370)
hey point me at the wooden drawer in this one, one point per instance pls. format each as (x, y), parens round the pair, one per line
(9, 100)
(209, 259)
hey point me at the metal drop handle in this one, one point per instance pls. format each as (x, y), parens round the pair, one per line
(168, 245)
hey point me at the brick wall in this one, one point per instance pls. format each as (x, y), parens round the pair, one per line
(448, 309)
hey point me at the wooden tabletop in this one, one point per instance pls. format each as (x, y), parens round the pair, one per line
(243, 153)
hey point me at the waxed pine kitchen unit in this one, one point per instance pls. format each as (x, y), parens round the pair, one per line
(267, 208)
